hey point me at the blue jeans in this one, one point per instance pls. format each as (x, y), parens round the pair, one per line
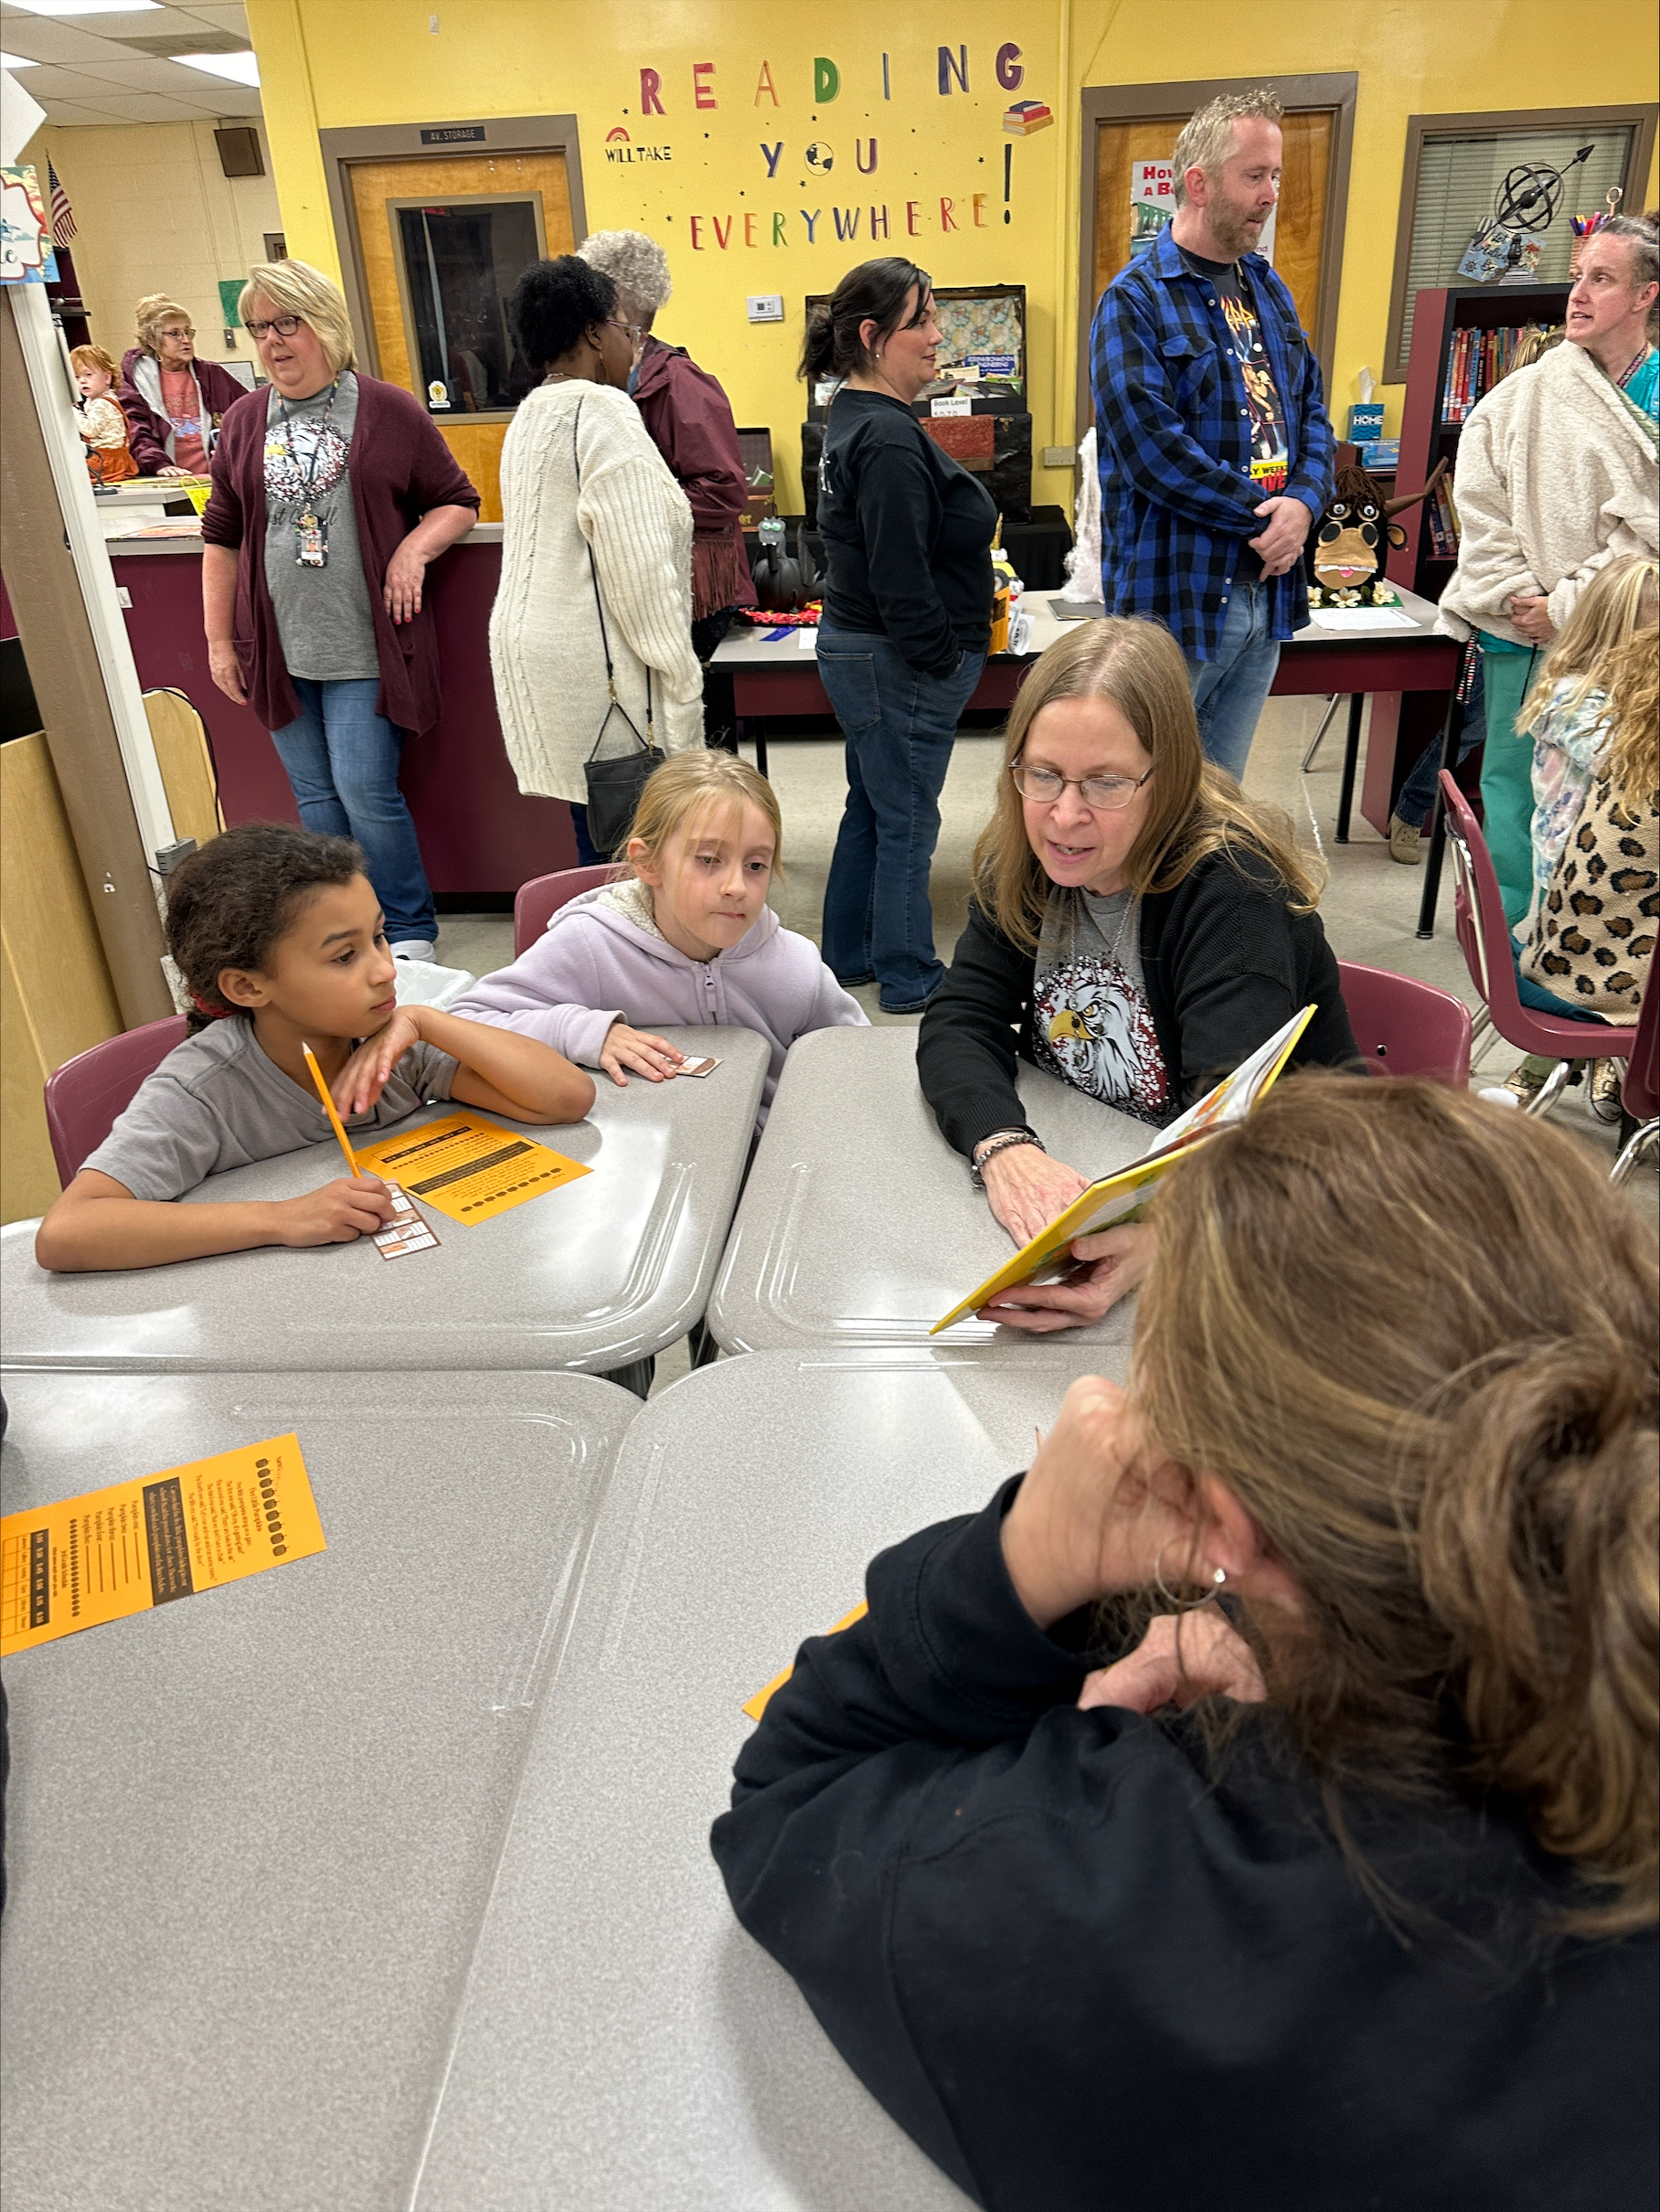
(587, 854)
(1229, 691)
(342, 760)
(899, 726)
(1418, 792)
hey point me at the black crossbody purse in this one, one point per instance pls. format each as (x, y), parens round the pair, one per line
(613, 786)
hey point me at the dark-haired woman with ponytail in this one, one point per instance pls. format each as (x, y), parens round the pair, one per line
(1255, 1802)
(906, 622)
(281, 944)
(591, 636)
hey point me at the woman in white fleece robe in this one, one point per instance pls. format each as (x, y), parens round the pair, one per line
(587, 499)
(1556, 476)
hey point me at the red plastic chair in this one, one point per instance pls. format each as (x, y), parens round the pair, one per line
(540, 900)
(1483, 938)
(87, 1095)
(1407, 1027)
(1639, 1087)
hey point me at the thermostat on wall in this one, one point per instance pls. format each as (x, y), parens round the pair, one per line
(766, 306)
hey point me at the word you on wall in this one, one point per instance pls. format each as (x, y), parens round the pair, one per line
(703, 91)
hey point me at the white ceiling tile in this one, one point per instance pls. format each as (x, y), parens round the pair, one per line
(44, 84)
(137, 74)
(233, 19)
(151, 107)
(43, 41)
(71, 114)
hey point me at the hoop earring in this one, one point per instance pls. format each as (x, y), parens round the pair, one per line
(1218, 1578)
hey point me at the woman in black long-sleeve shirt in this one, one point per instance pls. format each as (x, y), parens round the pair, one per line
(1372, 1924)
(1137, 927)
(906, 621)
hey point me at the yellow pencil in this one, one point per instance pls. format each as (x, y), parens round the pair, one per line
(328, 1106)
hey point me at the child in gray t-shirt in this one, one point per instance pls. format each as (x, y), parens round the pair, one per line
(280, 938)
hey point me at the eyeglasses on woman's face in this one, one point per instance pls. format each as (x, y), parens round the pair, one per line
(637, 335)
(178, 332)
(281, 326)
(1101, 794)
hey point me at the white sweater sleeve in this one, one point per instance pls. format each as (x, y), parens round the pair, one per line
(635, 517)
(1492, 567)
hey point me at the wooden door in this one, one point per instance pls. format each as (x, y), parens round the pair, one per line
(379, 187)
(1299, 233)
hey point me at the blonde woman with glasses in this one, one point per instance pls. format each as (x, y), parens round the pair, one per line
(332, 492)
(1137, 927)
(172, 402)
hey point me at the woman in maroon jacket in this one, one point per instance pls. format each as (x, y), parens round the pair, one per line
(330, 494)
(689, 419)
(172, 402)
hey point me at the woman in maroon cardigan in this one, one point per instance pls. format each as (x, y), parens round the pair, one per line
(330, 494)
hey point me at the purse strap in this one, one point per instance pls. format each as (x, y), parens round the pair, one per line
(616, 706)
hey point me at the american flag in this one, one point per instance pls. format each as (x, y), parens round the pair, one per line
(63, 216)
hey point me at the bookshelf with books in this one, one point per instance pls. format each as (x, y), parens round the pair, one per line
(1464, 337)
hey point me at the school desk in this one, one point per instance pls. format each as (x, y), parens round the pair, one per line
(859, 1223)
(622, 2045)
(595, 1276)
(251, 1833)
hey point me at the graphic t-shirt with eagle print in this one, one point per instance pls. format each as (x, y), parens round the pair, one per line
(324, 618)
(1090, 1019)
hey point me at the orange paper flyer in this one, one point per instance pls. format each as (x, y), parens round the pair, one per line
(122, 1550)
(755, 1707)
(467, 1167)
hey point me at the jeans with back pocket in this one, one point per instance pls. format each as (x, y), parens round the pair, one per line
(899, 726)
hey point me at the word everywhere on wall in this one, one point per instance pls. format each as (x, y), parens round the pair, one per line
(872, 220)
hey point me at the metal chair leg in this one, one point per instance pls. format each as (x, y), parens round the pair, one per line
(1479, 1027)
(1630, 1153)
(1551, 1089)
(1331, 708)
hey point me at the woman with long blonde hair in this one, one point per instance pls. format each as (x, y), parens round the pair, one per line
(1255, 1802)
(1137, 927)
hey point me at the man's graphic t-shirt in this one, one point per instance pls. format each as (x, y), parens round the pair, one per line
(1269, 457)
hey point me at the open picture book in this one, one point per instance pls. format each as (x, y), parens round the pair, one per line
(1120, 1197)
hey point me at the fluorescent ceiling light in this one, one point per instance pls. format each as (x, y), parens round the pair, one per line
(87, 7)
(17, 61)
(242, 69)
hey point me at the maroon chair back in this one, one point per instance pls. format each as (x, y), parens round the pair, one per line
(1406, 1027)
(86, 1096)
(1483, 938)
(540, 900)
(1640, 1085)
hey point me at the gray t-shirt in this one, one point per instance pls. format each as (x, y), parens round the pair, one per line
(1091, 1018)
(324, 620)
(216, 1101)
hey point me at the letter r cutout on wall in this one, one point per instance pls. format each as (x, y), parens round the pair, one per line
(650, 87)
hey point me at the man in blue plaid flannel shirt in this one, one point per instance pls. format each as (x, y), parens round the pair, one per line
(1214, 447)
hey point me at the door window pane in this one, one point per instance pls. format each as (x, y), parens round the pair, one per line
(461, 263)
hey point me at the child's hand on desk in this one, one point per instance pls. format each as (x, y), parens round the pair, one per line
(365, 1076)
(637, 1049)
(336, 1214)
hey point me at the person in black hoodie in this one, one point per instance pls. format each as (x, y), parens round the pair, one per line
(1137, 927)
(1337, 1893)
(906, 620)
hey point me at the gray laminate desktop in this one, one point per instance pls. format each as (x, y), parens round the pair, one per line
(603, 1271)
(251, 1835)
(859, 1223)
(623, 2046)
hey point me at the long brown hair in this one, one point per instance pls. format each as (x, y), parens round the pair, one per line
(1417, 1338)
(1196, 809)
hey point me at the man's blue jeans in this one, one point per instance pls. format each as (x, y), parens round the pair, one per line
(899, 726)
(342, 760)
(1229, 691)
(1418, 792)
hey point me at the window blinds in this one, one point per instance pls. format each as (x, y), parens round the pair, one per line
(1458, 181)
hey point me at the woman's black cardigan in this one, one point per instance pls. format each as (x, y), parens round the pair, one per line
(1224, 964)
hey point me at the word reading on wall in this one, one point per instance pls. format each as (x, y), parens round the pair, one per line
(915, 218)
(951, 75)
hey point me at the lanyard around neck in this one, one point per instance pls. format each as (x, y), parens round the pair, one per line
(288, 423)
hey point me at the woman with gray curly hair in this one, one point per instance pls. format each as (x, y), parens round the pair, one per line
(690, 422)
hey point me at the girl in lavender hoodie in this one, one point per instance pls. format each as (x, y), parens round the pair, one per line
(687, 936)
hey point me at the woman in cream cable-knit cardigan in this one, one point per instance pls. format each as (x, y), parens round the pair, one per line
(579, 472)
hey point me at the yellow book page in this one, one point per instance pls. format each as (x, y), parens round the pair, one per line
(1117, 1198)
(136, 1544)
(468, 1167)
(755, 1707)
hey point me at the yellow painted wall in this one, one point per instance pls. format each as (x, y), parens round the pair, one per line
(154, 212)
(377, 61)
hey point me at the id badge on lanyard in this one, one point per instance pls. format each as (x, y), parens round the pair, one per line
(311, 541)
